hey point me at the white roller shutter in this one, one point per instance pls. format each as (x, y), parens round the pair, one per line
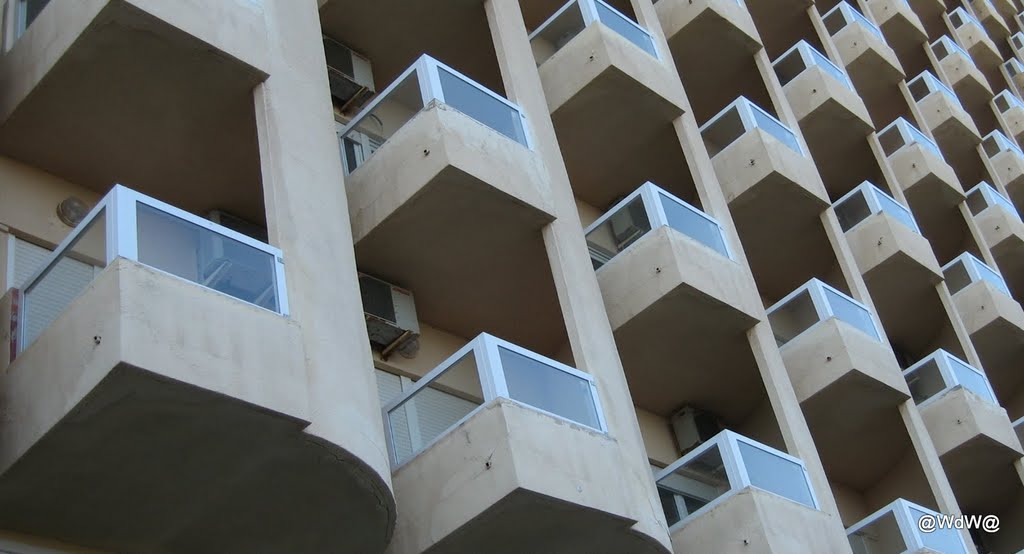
(422, 419)
(55, 292)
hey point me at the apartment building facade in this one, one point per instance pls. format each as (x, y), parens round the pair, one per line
(511, 276)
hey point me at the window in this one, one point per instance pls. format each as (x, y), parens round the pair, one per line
(27, 11)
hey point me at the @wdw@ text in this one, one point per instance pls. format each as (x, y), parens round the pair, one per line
(929, 523)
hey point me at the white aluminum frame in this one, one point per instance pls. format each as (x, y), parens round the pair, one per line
(851, 15)
(745, 108)
(952, 47)
(657, 218)
(944, 361)
(871, 195)
(971, 263)
(967, 16)
(811, 57)
(934, 85)
(906, 523)
(1013, 67)
(484, 349)
(727, 443)
(426, 70)
(1010, 98)
(816, 289)
(588, 8)
(1016, 41)
(119, 207)
(993, 198)
(1004, 144)
(911, 135)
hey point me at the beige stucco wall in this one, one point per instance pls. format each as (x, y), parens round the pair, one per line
(29, 199)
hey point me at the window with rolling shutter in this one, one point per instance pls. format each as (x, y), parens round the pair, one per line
(423, 418)
(67, 280)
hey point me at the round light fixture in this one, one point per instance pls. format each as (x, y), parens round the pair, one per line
(71, 211)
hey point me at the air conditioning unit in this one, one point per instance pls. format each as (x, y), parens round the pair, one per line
(237, 224)
(693, 426)
(390, 314)
(350, 75)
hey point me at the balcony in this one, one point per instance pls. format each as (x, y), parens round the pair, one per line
(658, 258)
(903, 30)
(870, 62)
(1007, 162)
(895, 530)
(969, 83)
(610, 95)
(994, 321)
(832, 116)
(897, 263)
(108, 91)
(437, 157)
(1003, 232)
(971, 36)
(713, 43)
(1010, 113)
(152, 335)
(929, 184)
(773, 193)
(1017, 45)
(971, 432)
(846, 380)
(1013, 71)
(499, 443)
(993, 22)
(947, 121)
(731, 479)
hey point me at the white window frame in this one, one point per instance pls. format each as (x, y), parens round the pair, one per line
(736, 471)
(1003, 143)
(1009, 98)
(944, 361)
(1013, 68)
(911, 135)
(745, 108)
(993, 198)
(952, 47)
(588, 8)
(871, 194)
(852, 15)
(119, 207)
(810, 56)
(966, 16)
(971, 263)
(816, 289)
(657, 218)
(485, 351)
(428, 77)
(905, 521)
(934, 85)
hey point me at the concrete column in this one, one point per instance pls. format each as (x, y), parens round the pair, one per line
(586, 321)
(931, 465)
(970, 353)
(307, 217)
(781, 396)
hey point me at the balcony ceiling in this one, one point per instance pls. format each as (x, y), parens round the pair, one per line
(135, 100)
